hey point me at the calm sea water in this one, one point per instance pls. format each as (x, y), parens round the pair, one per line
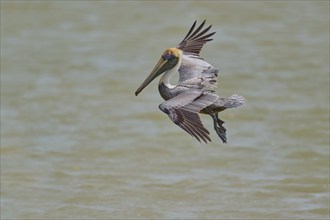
(77, 144)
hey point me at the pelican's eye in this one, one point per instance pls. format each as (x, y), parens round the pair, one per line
(167, 56)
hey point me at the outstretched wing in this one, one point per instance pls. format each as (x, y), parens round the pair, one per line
(195, 39)
(183, 111)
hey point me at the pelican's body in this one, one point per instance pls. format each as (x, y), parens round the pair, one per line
(194, 92)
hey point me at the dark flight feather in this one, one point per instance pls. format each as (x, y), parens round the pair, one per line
(194, 41)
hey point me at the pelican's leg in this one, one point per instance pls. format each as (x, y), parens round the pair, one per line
(221, 131)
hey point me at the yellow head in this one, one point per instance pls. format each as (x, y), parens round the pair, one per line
(171, 53)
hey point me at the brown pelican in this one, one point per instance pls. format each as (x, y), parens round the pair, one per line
(194, 92)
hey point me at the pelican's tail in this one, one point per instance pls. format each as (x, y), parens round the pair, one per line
(234, 101)
(224, 103)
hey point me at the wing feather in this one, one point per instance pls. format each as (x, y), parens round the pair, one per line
(195, 39)
(203, 32)
(190, 30)
(183, 111)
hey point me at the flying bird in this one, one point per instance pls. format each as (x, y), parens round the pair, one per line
(195, 91)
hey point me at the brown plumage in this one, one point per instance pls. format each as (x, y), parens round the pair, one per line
(193, 42)
(195, 91)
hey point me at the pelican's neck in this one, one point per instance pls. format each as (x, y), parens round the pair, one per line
(166, 78)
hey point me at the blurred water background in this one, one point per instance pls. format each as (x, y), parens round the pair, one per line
(77, 144)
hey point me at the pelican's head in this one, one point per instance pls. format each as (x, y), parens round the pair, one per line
(167, 61)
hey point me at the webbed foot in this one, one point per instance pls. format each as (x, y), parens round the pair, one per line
(221, 131)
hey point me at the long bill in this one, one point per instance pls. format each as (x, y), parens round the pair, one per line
(157, 70)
